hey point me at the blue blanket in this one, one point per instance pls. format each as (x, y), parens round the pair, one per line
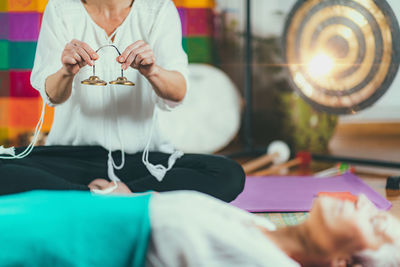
(50, 228)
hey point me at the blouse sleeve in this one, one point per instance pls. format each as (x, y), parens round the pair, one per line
(167, 47)
(51, 42)
(192, 229)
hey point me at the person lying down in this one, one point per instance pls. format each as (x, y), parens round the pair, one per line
(183, 228)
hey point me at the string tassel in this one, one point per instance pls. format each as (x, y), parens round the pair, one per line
(7, 151)
(112, 176)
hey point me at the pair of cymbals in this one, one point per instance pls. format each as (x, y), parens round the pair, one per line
(95, 80)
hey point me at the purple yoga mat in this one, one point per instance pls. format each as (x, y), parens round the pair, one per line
(296, 193)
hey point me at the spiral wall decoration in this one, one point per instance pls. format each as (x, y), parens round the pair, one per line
(342, 55)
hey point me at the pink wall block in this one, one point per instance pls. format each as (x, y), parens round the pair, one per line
(200, 22)
(24, 26)
(20, 85)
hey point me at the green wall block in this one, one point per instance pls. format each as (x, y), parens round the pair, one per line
(199, 49)
(22, 55)
(4, 48)
(184, 44)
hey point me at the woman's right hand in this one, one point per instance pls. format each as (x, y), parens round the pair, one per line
(76, 55)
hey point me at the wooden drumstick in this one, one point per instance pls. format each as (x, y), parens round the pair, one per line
(259, 162)
(277, 152)
(302, 158)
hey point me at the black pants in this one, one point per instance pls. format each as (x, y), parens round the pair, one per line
(74, 167)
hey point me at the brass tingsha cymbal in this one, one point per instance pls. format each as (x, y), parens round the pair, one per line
(122, 81)
(94, 80)
(341, 55)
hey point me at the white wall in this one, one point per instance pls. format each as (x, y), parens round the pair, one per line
(266, 22)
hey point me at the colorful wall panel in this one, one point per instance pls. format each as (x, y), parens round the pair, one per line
(197, 17)
(20, 104)
(20, 21)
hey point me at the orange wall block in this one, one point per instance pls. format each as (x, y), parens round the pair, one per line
(4, 111)
(23, 112)
(26, 5)
(41, 5)
(195, 3)
(48, 118)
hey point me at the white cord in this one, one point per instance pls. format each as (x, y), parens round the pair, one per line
(121, 143)
(158, 171)
(110, 162)
(107, 190)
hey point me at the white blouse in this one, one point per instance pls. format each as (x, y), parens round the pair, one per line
(191, 229)
(112, 116)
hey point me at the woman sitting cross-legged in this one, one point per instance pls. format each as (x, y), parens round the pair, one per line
(111, 131)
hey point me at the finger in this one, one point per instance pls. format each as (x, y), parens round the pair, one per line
(92, 54)
(69, 60)
(129, 60)
(122, 58)
(69, 47)
(145, 59)
(82, 64)
(79, 60)
(84, 55)
(76, 56)
(134, 56)
(75, 42)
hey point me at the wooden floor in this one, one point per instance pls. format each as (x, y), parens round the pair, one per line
(380, 141)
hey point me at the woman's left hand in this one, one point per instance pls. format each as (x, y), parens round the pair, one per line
(140, 56)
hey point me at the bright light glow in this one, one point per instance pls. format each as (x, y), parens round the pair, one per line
(320, 65)
(305, 87)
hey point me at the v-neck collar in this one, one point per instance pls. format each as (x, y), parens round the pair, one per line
(113, 34)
